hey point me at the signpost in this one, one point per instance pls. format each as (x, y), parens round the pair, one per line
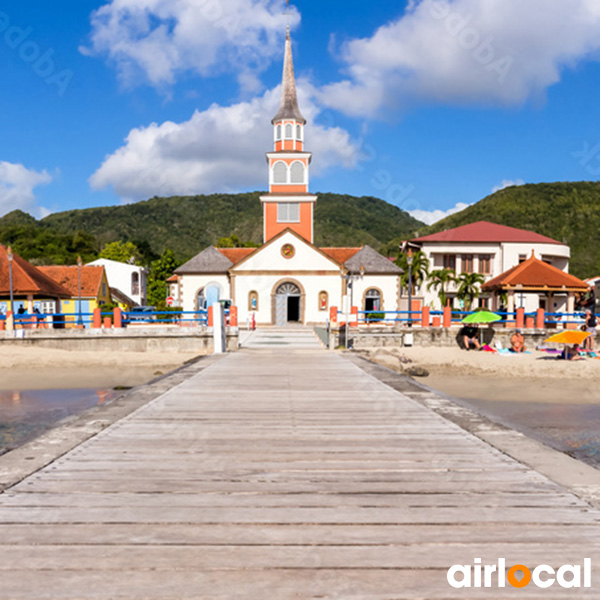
(170, 301)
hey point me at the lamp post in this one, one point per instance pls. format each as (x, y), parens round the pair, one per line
(79, 265)
(350, 279)
(409, 260)
(9, 255)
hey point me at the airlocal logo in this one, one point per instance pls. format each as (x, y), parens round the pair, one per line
(519, 576)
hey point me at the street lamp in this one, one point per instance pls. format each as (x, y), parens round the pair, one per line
(9, 255)
(409, 260)
(79, 265)
(350, 279)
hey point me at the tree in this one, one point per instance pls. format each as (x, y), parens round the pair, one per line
(439, 281)
(233, 241)
(160, 270)
(125, 252)
(469, 287)
(420, 268)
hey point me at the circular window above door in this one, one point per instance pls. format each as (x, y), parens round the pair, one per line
(288, 251)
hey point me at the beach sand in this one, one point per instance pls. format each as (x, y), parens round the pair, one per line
(535, 377)
(32, 368)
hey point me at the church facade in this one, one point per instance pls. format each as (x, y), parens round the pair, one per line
(289, 279)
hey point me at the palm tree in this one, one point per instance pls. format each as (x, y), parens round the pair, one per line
(420, 269)
(469, 287)
(439, 281)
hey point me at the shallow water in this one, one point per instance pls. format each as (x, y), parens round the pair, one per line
(570, 428)
(26, 414)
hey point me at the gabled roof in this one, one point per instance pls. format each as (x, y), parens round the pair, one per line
(209, 260)
(27, 279)
(484, 231)
(372, 262)
(340, 255)
(173, 279)
(288, 109)
(68, 277)
(236, 254)
(536, 274)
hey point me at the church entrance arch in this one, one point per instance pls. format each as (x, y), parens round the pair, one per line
(288, 303)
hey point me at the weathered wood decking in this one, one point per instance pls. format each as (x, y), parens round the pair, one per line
(280, 474)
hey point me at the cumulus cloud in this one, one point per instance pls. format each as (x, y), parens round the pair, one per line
(497, 52)
(17, 184)
(507, 183)
(155, 40)
(429, 217)
(219, 149)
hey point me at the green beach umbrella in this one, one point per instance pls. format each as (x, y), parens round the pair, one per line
(481, 316)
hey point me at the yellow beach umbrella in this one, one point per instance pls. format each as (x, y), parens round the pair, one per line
(569, 336)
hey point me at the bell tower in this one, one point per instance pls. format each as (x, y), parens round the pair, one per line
(288, 203)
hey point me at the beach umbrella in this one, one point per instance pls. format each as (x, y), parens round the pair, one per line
(569, 336)
(481, 316)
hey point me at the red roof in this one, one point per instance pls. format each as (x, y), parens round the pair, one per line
(27, 279)
(173, 279)
(483, 231)
(68, 277)
(236, 254)
(340, 255)
(534, 273)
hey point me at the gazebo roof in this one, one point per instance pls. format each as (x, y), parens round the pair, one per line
(27, 279)
(534, 274)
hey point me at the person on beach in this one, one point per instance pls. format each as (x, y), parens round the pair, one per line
(572, 353)
(590, 326)
(517, 342)
(470, 337)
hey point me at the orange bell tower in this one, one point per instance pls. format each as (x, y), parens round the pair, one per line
(288, 203)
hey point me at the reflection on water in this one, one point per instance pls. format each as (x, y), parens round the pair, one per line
(26, 414)
(570, 428)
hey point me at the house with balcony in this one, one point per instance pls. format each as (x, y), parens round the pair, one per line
(489, 249)
(130, 280)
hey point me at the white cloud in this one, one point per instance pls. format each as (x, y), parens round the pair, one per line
(507, 183)
(158, 39)
(492, 52)
(17, 184)
(220, 149)
(429, 217)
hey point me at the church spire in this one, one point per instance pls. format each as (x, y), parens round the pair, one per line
(288, 108)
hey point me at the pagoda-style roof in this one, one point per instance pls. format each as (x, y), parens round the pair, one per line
(536, 275)
(27, 280)
(288, 109)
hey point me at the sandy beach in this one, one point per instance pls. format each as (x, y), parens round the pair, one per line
(535, 377)
(30, 368)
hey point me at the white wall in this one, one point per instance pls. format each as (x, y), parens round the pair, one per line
(192, 284)
(119, 276)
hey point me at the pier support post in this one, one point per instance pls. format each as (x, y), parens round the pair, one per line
(541, 319)
(447, 317)
(209, 316)
(233, 316)
(520, 318)
(117, 318)
(97, 318)
(333, 315)
(354, 317)
(425, 315)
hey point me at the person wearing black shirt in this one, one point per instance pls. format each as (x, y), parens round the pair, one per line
(590, 326)
(469, 334)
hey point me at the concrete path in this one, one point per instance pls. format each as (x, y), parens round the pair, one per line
(283, 474)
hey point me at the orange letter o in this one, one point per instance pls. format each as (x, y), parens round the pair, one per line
(514, 581)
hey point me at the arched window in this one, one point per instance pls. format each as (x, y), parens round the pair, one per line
(297, 173)
(280, 172)
(288, 132)
(373, 300)
(278, 132)
(323, 300)
(135, 283)
(299, 132)
(253, 301)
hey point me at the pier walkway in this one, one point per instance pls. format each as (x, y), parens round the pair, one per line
(283, 473)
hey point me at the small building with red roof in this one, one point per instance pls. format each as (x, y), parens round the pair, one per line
(489, 249)
(535, 284)
(31, 287)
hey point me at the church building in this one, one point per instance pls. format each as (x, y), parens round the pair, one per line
(289, 279)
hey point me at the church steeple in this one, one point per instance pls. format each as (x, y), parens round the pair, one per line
(288, 203)
(288, 109)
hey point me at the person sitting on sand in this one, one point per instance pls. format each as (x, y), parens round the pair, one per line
(470, 337)
(572, 353)
(517, 342)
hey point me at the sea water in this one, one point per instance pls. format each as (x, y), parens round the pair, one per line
(26, 414)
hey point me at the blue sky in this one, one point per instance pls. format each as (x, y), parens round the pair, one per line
(429, 104)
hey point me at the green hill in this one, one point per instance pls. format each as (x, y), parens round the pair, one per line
(567, 212)
(190, 223)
